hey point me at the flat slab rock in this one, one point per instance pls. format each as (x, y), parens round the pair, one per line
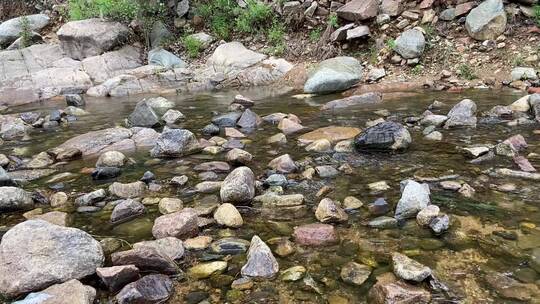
(331, 133)
(315, 235)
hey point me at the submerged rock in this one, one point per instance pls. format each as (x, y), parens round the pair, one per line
(332, 133)
(352, 101)
(354, 273)
(131, 190)
(333, 75)
(283, 164)
(126, 210)
(154, 288)
(387, 135)
(182, 225)
(315, 235)
(389, 290)
(238, 187)
(261, 263)
(329, 212)
(409, 269)
(35, 254)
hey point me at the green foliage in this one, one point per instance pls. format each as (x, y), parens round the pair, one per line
(26, 32)
(221, 15)
(254, 18)
(537, 13)
(276, 38)
(333, 20)
(518, 61)
(192, 46)
(391, 43)
(417, 70)
(467, 72)
(118, 10)
(315, 35)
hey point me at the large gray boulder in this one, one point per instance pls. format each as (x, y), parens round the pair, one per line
(96, 141)
(410, 44)
(232, 57)
(487, 21)
(11, 29)
(12, 199)
(165, 59)
(359, 10)
(175, 143)
(386, 135)
(238, 187)
(462, 114)
(333, 75)
(91, 37)
(70, 292)
(36, 254)
(143, 116)
(414, 198)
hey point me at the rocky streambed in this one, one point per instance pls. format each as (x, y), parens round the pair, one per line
(272, 198)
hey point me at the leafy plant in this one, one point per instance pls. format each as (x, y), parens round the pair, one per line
(26, 32)
(518, 61)
(221, 15)
(276, 38)
(255, 17)
(467, 72)
(417, 70)
(118, 10)
(536, 9)
(333, 20)
(192, 46)
(315, 35)
(391, 43)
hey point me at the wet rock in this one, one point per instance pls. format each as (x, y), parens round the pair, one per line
(261, 263)
(335, 74)
(277, 139)
(5, 179)
(440, 224)
(11, 129)
(41, 160)
(410, 44)
(126, 210)
(75, 100)
(179, 180)
(329, 212)
(239, 156)
(198, 243)
(227, 119)
(426, 215)
(333, 134)
(206, 270)
(387, 135)
(96, 141)
(166, 59)
(383, 222)
(238, 187)
(283, 164)
(379, 207)
(208, 187)
(13, 199)
(462, 114)
(104, 173)
(210, 129)
(389, 290)
(91, 198)
(180, 225)
(175, 143)
(148, 177)
(116, 277)
(414, 198)
(91, 37)
(433, 120)
(58, 199)
(170, 205)
(70, 292)
(172, 117)
(154, 288)
(228, 215)
(354, 273)
(359, 10)
(293, 274)
(512, 289)
(248, 120)
(409, 269)
(4, 160)
(435, 136)
(320, 146)
(145, 258)
(131, 190)
(315, 235)
(274, 200)
(55, 217)
(289, 126)
(534, 100)
(170, 246)
(35, 254)
(229, 245)
(214, 166)
(487, 21)
(352, 203)
(30, 117)
(143, 116)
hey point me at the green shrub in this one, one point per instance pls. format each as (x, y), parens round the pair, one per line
(255, 17)
(315, 35)
(537, 14)
(26, 32)
(333, 20)
(118, 10)
(220, 14)
(276, 38)
(417, 70)
(467, 72)
(391, 43)
(192, 46)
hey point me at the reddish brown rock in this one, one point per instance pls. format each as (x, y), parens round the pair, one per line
(315, 235)
(181, 225)
(389, 290)
(523, 163)
(359, 10)
(464, 8)
(116, 277)
(517, 142)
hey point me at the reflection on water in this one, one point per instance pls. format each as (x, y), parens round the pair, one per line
(473, 220)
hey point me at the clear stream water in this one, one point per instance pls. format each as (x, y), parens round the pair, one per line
(460, 258)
